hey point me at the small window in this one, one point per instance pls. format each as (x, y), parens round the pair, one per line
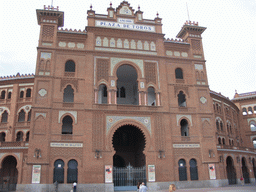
(3, 95)
(21, 117)
(223, 141)
(221, 126)
(19, 136)
(68, 96)
(28, 93)
(21, 94)
(253, 126)
(254, 143)
(105, 92)
(182, 99)
(70, 66)
(27, 136)
(178, 73)
(219, 141)
(67, 125)
(4, 118)
(10, 95)
(151, 96)
(244, 111)
(217, 125)
(2, 137)
(254, 109)
(184, 127)
(250, 110)
(29, 115)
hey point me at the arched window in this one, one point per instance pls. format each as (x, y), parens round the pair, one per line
(29, 115)
(58, 171)
(221, 126)
(244, 111)
(68, 95)
(4, 118)
(67, 125)
(19, 136)
(21, 117)
(2, 137)
(178, 73)
(151, 96)
(70, 66)
(193, 169)
(182, 170)
(9, 95)
(72, 171)
(3, 94)
(217, 125)
(223, 141)
(253, 126)
(184, 127)
(27, 136)
(219, 141)
(254, 143)
(21, 94)
(182, 99)
(250, 110)
(28, 93)
(102, 95)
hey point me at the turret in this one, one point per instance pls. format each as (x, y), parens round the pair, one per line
(191, 33)
(49, 19)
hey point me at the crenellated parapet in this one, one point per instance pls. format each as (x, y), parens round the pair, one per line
(72, 30)
(17, 76)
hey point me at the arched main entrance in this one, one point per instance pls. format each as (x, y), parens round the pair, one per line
(129, 161)
(8, 174)
(245, 171)
(231, 171)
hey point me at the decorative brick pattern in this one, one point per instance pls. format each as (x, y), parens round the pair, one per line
(196, 45)
(159, 134)
(66, 153)
(102, 69)
(97, 135)
(48, 33)
(150, 71)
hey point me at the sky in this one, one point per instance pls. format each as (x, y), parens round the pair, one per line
(229, 41)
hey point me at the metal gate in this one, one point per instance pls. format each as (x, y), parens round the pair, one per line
(127, 178)
(8, 183)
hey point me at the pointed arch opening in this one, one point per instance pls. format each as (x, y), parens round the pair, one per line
(21, 116)
(4, 118)
(67, 125)
(182, 170)
(103, 94)
(68, 95)
(151, 96)
(182, 99)
(193, 169)
(184, 127)
(127, 80)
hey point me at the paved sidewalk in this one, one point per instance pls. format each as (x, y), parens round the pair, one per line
(230, 188)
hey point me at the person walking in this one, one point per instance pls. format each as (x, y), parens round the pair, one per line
(74, 186)
(138, 186)
(242, 180)
(172, 188)
(143, 188)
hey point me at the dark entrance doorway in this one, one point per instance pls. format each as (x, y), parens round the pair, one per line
(231, 171)
(129, 161)
(8, 174)
(245, 171)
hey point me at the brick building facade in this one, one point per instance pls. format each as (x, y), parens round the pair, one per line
(120, 96)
